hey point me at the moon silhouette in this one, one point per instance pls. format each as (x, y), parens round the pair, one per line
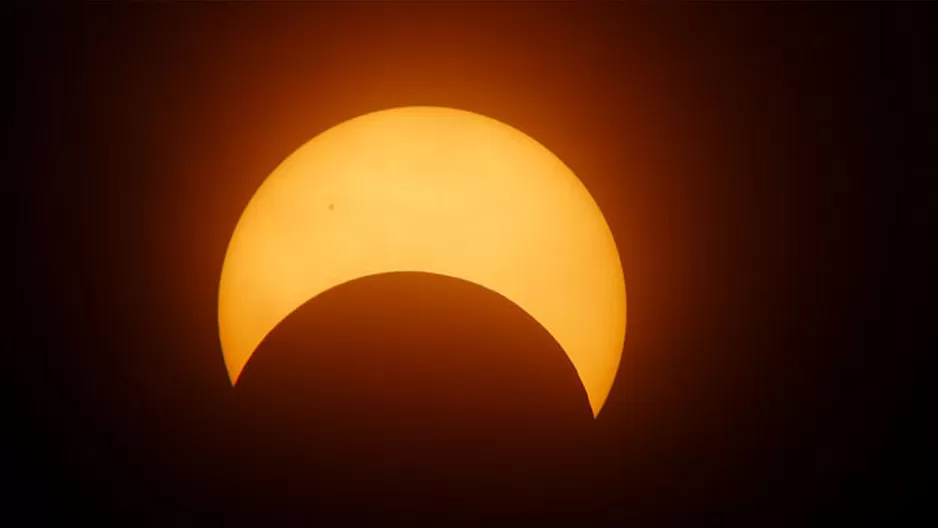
(435, 190)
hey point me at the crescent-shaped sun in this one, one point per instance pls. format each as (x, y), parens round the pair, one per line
(434, 190)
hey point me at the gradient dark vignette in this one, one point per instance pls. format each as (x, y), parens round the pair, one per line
(756, 166)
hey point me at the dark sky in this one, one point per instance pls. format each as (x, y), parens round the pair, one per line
(765, 172)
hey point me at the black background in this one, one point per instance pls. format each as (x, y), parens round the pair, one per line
(764, 169)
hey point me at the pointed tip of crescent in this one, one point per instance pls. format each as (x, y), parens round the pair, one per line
(234, 371)
(596, 406)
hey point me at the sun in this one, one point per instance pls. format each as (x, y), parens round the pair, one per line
(434, 190)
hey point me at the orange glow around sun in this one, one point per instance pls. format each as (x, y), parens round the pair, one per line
(434, 190)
